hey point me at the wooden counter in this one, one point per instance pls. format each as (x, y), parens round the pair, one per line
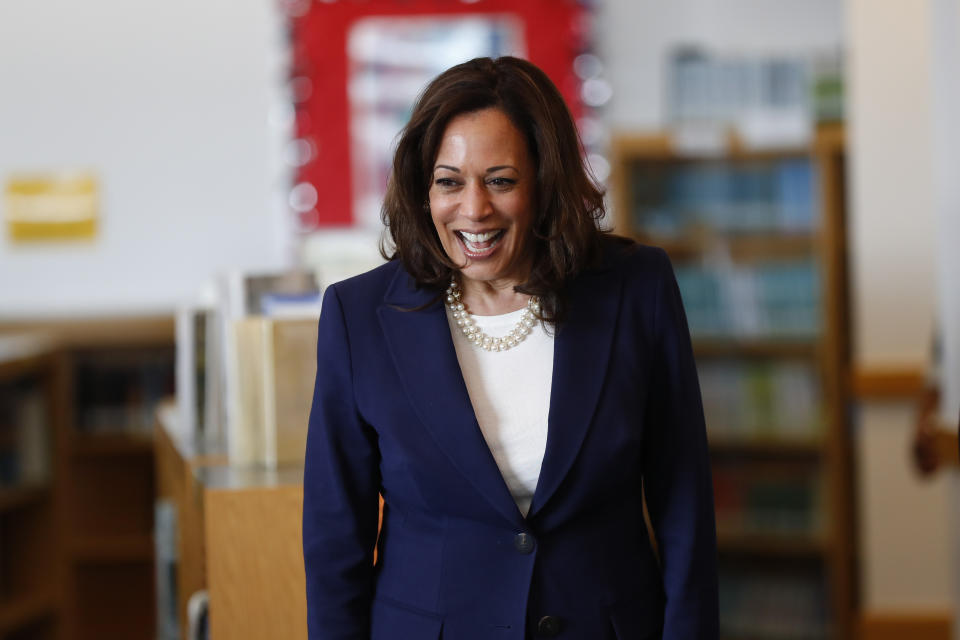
(238, 537)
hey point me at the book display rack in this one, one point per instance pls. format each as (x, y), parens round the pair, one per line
(757, 240)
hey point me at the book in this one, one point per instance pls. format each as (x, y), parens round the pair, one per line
(275, 372)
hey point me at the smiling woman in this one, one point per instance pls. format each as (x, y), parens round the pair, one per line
(512, 382)
(510, 111)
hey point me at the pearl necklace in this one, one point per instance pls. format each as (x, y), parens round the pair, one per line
(473, 333)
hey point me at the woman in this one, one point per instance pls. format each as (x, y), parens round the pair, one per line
(511, 381)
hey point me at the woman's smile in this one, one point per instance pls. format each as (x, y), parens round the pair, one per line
(481, 245)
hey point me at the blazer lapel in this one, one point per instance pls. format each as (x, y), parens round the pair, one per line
(581, 352)
(426, 361)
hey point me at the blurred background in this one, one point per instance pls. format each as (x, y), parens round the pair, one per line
(181, 180)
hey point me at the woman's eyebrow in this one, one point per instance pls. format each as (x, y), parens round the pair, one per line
(502, 166)
(446, 166)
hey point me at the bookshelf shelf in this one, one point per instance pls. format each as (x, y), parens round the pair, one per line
(769, 544)
(25, 609)
(14, 498)
(757, 239)
(742, 247)
(111, 444)
(113, 549)
(755, 348)
(766, 446)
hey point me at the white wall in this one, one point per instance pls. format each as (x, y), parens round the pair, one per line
(945, 16)
(636, 37)
(167, 102)
(907, 543)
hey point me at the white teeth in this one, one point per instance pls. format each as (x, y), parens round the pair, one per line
(479, 237)
(474, 248)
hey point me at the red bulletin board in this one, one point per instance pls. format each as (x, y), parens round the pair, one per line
(555, 32)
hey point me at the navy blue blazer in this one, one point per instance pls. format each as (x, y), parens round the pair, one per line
(457, 560)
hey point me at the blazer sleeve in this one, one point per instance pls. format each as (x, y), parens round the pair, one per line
(340, 492)
(676, 477)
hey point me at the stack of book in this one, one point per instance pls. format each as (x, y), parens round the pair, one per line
(782, 502)
(118, 391)
(765, 603)
(246, 361)
(771, 196)
(24, 436)
(746, 400)
(763, 300)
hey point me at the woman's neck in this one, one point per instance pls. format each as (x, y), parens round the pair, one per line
(492, 298)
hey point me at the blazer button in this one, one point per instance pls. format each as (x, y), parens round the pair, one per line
(548, 627)
(523, 542)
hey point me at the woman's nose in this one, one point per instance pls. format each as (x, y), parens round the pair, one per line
(476, 203)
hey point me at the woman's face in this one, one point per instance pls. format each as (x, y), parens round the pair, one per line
(482, 197)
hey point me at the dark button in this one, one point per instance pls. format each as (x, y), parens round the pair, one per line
(523, 542)
(548, 627)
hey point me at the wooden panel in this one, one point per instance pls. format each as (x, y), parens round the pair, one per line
(176, 481)
(114, 601)
(112, 497)
(13, 498)
(933, 625)
(888, 383)
(17, 613)
(257, 586)
(27, 557)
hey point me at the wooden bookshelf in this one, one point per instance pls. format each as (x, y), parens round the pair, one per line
(646, 170)
(78, 550)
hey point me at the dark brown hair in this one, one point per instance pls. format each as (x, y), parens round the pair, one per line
(568, 203)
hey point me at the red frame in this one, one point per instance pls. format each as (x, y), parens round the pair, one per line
(554, 32)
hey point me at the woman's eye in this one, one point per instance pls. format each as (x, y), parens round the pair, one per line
(445, 182)
(502, 182)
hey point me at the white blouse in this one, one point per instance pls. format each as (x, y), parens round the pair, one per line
(510, 393)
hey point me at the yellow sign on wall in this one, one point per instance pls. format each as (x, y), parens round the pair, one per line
(51, 207)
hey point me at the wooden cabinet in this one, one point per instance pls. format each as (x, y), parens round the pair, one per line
(758, 244)
(238, 537)
(78, 551)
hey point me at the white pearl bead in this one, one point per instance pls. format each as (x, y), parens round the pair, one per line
(473, 333)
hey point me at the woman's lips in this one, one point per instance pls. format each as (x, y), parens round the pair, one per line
(480, 245)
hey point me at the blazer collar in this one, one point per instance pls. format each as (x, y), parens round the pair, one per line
(423, 353)
(581, 353)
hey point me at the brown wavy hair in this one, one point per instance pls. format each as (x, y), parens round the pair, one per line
(568, 203)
